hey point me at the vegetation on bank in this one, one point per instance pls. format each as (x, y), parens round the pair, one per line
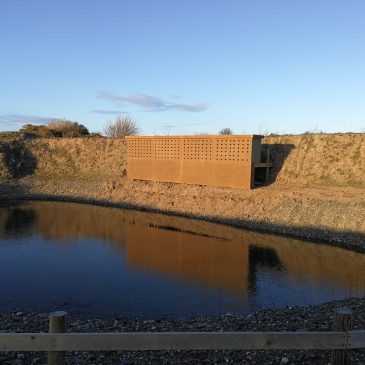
(56, 128)
(62, 128)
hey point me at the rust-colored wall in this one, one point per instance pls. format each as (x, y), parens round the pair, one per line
(205, 160)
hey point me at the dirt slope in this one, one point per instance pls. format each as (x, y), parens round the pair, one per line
(319, 160)
(86, 158)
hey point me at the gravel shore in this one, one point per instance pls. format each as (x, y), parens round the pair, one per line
(312, 318)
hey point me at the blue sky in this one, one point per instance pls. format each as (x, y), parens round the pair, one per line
(185, 67)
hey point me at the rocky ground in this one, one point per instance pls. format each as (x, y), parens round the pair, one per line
(313, 318)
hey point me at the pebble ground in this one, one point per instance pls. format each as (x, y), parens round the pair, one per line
(312, 318)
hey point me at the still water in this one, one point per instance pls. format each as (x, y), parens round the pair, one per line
(106, 262)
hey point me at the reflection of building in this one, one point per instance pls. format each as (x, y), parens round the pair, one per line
(233, 263)
(207, 260)
(223, 264)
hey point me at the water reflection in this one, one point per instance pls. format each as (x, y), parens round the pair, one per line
(261, 257)
(196, 257)
(210, 261)
(18, 221)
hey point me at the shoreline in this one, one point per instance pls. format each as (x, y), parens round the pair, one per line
(310, 318)
(347, 240)
(309, 195)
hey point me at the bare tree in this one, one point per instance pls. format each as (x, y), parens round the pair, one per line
(225, 131)
(121, 127)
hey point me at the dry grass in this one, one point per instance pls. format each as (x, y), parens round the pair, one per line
(79, 157)
(322, 159)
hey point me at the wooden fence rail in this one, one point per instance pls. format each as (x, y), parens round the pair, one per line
(57, 343)
(181, 341)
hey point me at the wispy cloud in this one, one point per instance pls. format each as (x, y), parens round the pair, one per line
(151, 103)
(17, 120)
(108, 112)
(180, 127)
(173, 96)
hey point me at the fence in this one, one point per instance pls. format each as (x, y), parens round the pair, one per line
(227, 161)
(56, 342)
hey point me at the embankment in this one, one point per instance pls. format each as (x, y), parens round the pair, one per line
(319, 160)
(316, 190)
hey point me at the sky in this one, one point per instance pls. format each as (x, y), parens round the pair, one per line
(185, 66)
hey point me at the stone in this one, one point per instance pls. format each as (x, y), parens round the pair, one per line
(17, 362)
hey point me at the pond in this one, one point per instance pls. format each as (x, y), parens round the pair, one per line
(107, 262)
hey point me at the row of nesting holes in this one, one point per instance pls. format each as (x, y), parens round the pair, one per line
(225, 150)
(233, 150)
(141, 148)
(167, 149)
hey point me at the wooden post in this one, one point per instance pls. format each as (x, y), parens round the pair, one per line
(342, 323)
(268, 161)
(57, 325)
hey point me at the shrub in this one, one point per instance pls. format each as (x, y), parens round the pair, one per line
(57, 128)
(226, 131)
(36, 130)
(66, 128)
(121, 127)
(95, 135)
